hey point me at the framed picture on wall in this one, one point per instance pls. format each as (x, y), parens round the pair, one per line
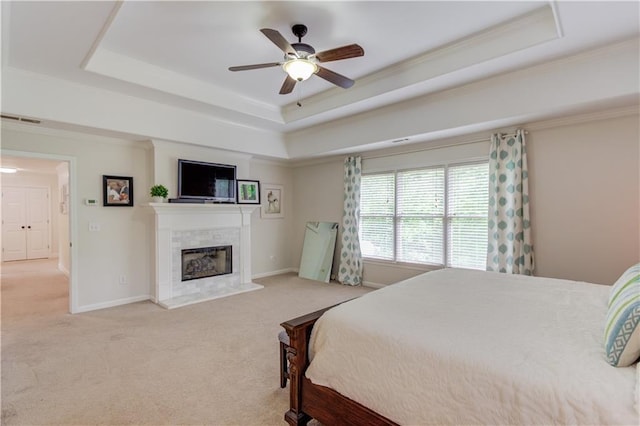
(117, 191)
(272, 201)
(248, 191)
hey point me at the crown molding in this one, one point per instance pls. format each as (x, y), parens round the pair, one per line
(607, 114)
(272, 162)
(43, 130)
(120, 67)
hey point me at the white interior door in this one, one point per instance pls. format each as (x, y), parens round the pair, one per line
(14, 226)
(37, 223)
(25, 223)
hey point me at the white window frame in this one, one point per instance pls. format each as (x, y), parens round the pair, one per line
(445, 218)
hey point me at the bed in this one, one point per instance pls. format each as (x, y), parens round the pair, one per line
(460, 347)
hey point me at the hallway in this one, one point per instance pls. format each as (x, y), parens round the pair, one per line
(33, 288)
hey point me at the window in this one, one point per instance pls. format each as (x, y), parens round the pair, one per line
(436, 215)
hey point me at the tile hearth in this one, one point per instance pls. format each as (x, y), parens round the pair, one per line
(211, 294)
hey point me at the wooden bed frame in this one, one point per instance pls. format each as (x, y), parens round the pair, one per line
(309, 401)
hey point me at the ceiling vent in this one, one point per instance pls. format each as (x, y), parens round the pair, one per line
(22, 119)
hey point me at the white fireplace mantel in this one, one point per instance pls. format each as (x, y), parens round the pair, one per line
(173, 219)
(205, 208)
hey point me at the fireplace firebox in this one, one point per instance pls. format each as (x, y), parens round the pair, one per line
(206, 262)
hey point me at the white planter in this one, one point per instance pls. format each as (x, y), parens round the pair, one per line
(157, 199)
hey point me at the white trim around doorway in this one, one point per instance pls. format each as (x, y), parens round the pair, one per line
(73, 217)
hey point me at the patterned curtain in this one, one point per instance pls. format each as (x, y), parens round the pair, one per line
(350, 269)
(510, 248)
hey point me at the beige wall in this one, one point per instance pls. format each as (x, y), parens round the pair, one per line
(585, 199)
(271, 238)
(318, 196)
(125, 243)
(121, 245)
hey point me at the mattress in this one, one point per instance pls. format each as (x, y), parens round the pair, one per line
(469, 347)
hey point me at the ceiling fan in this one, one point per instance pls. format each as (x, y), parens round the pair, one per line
(301, 60)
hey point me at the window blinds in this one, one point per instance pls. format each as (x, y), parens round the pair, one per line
(377, 210)
(420, 214)
(434, 216)
(467, 202)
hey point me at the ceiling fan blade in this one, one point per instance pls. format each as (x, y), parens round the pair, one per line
(287, 86)
(334, 77)
(344, 52)
(255, 66)
(279, 41)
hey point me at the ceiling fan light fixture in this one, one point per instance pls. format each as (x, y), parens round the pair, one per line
(300, 69)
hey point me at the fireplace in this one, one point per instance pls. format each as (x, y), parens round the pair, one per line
(203, 252)
(206, 262)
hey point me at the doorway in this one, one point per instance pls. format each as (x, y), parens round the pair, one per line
(37, 218)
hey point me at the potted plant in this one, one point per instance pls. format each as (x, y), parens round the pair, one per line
(159, 193)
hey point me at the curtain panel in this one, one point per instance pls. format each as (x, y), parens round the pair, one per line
(350, 268)
(510, 249)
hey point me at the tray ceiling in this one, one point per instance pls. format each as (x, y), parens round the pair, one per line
(178, 53)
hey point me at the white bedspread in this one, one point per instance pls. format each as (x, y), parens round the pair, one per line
(468, 347)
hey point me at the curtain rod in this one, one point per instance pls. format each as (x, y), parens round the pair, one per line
(430, 148)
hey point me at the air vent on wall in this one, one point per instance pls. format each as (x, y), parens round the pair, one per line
(23, 119)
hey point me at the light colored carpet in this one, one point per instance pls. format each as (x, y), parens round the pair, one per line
(213, 363)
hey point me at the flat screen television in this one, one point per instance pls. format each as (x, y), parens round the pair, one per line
(206, 181)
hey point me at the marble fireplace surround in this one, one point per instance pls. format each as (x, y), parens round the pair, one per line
(181, 226)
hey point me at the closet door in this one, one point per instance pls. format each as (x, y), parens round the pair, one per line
(14, 226)
(37, 223)
(25, 223)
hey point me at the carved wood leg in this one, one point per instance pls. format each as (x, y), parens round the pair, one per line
(297, 356)
(283, 365)
(299, 332)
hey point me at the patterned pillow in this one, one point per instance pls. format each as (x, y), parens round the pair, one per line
(622, 329)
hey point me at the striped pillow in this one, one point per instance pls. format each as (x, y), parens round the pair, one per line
(622, 329)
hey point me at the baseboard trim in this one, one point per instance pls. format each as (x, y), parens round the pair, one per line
(111, 304)
(272, 273)
(373, 285)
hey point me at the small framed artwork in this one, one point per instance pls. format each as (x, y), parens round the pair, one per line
(117, 191)
(272, 201)
(248, 191)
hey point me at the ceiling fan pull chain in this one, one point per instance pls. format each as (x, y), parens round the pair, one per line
(299, 103)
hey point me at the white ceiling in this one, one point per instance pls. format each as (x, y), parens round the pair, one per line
(178, 53)
(31, 165)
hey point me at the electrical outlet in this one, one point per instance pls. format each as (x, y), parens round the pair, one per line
(94, 227)
(123, 280)
(272, 258)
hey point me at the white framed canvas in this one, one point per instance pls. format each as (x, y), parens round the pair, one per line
(272, 201)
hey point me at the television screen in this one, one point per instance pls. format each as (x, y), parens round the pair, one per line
(209, 181)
